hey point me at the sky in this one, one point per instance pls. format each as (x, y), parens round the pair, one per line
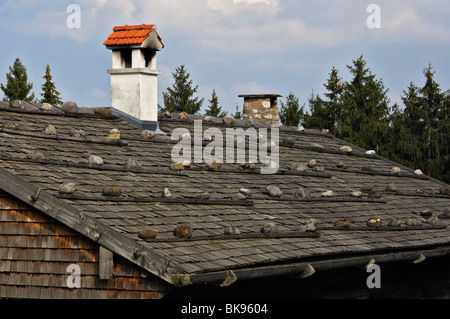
(232, 46)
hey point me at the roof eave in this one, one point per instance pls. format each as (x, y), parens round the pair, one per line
(88, 226)
(305, 269)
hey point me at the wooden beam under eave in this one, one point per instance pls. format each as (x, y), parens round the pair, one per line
(105, 263)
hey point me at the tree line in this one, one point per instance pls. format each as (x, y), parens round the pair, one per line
(358, 111)
(18, 88)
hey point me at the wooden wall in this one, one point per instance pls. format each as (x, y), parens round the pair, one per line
(35, 252)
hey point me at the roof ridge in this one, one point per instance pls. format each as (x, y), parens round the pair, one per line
(134, 27)
(38, 108)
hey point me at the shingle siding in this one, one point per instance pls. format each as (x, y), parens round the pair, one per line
(35, 252)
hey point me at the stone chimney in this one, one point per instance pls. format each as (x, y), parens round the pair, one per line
(261, 108)
(134, 85)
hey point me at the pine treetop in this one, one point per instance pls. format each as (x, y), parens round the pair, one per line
(180, 97)
(17, 86)
(49, 93)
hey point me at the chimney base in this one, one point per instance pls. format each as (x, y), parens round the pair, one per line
(143, 125)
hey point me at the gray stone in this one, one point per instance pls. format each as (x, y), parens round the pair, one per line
(247, 165)
(375, 194)
(341, 165)
(46, 107)
(319, 169)
(312, 163)
(274, 191)
(288, 140)
(147, 234)
(228, 120)
(50, 130)
(238, 196)
(342, 223)
(434, 220)
(232, 230)
(356, 194)
(184, 116)
(176, 166)
(182, 231)
(112, 191)
(302, 193)
(16, 104)
(70, 107)
(77, 133)
(366, 189)
(204, 195)
(310, 225)
(413, 222)
(298, 167)
(426, 213)
(444, 190)
(328, 193)
(35, 155)
(394, 222)
(317, 145)
(347, 149)
(245, 192)
(132, 163)
(214, 164)
(392, 187)
(67, 188)
(166, 193)
(395, 170)
(96, 160)
(270, 227)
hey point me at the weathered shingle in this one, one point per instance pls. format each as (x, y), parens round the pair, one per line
(140, 205)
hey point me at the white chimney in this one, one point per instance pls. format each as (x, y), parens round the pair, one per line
(134, 84)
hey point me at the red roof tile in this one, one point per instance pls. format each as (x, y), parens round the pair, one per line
(130, 35)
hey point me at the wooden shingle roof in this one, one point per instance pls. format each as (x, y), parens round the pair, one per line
(34, 164)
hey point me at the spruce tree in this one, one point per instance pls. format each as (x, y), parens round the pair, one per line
(365, 110)
(180, 98)
(214, 108)
(17, 86)
(237, 115)
(49, 95)
(325, 114)
(419, 135)
(291, 113)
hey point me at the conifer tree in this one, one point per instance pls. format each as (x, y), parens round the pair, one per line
(237, 115)
(419, 136)
(49, 95)
(214, 108)
(180, 98)
(325, 114)
(291, 113)
(17, 86)
(364, 116)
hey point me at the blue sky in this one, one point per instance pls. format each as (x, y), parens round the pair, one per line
(233, 46)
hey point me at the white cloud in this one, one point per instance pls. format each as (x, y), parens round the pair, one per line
(266, 7)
